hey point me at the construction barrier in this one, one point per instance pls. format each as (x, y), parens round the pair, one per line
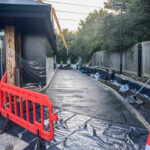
(12, 96)
(148, 143)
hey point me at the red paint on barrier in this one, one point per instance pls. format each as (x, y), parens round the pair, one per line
(148, 143)
(148, 140)
(11, 95)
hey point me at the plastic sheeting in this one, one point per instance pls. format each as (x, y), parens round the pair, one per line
(74, 131)
(87, 133)
(34, 73)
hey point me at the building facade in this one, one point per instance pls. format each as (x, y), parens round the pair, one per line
(27, 42)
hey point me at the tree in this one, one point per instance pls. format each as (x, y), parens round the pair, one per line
(100, 30)
(62, 52)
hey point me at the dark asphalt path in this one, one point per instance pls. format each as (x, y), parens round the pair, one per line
(72, 91)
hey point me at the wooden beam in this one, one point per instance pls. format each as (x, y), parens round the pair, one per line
(10, 54)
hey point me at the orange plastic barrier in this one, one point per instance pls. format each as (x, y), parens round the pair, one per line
(11, 96)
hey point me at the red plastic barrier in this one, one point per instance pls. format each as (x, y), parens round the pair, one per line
(148, 143)
(11, 95)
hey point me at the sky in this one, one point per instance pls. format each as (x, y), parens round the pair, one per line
(73, 25)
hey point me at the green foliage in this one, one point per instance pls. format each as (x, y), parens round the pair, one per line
(101, 30)
(62, 52)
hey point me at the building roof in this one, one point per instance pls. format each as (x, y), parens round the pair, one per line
(28, 13)
(21, 2)
(29, 6)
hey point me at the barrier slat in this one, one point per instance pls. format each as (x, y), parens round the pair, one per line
(11, 93)
(10, 103)
(21, 107)
(42, 116)
(34, 113)
(5, 98)
(27, 111)
(15, 104)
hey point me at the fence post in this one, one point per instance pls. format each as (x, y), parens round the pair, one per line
(139, 59)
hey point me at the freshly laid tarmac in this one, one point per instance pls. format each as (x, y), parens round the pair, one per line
(73, 92)
(91, 117)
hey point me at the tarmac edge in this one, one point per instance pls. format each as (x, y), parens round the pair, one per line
(128, 106)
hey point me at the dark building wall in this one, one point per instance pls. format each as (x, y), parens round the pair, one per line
(33, 58)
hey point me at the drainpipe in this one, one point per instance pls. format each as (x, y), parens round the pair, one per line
(121, 39)
(139, 59)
